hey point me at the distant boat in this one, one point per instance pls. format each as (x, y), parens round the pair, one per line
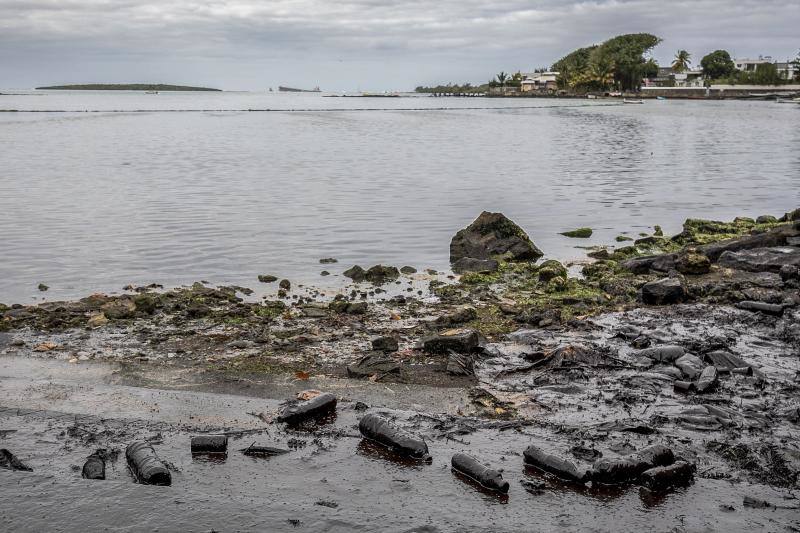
(283, 89)
(151, 92)
(661, 97)
(629, 101)
(788, 100)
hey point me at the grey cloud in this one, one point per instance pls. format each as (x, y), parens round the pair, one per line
(395, 44)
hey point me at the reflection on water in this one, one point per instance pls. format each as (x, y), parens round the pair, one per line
(97, 201)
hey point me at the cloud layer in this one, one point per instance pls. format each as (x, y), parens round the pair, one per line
(349, 44)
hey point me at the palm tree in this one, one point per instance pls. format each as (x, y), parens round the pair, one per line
(601, 73)
(502, 77)
(682, 61)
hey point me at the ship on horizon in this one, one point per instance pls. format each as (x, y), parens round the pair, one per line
(283, 89)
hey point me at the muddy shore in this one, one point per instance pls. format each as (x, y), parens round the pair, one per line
(690, 341)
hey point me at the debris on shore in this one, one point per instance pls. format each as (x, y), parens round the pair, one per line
(669, 359)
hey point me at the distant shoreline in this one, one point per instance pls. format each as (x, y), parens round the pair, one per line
(126, 87)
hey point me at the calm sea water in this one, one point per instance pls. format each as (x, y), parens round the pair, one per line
(94, 201)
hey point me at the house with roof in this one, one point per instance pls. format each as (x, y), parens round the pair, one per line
(539, 82)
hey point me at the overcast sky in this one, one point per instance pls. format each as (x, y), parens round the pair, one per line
(356, 44)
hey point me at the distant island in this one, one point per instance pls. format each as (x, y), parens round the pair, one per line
(126, 87)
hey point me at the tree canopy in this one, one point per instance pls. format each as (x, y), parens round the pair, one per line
(618, 62)
(718, 64)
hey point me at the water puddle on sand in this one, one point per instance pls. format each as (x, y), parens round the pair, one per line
(331, 480)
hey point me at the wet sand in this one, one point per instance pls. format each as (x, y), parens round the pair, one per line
(64, 419)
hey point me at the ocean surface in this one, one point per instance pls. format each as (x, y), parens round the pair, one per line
(102, 189)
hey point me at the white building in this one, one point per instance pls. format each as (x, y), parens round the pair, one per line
(750, 65)
(786, 69)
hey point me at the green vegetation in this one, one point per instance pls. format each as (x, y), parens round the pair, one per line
(617, 63)
(126, 87)
(454, 88)
(719, 67)
(580, 233)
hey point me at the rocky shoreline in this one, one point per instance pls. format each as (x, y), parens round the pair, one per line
(690, 341)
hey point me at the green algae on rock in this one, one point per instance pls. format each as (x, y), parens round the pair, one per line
(580, 233)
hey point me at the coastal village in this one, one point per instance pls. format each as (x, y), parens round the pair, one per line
(621, 66)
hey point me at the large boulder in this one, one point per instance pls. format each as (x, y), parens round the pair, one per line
(380, 274)
(664, 291)
(761, 259)
(493, 235)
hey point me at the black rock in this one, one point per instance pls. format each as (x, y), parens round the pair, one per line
(762, 307)
(285, 284)
(458, 340)
(408, 270)
(10, 461)
(460, 364)
(465, 313)
(385, 343)
(350, 308)
(643, 265)
(774, 237)
(663, 292)
(380, 274)
(373, 364)
(493, 234)
(355, 273)
(761, 259)
(693, 263)
(470, 264)
(788, 272)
